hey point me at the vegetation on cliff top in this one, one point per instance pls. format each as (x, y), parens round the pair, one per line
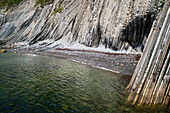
(9, 3)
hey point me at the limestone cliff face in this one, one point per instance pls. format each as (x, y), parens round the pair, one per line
(114, 24)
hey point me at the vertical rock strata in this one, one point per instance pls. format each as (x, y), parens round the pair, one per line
(150, 83)
(114, 24)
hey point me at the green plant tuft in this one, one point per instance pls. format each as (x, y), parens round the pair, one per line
(58, 9)
(43, 2)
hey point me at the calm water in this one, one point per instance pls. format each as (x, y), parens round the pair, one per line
(46, 84)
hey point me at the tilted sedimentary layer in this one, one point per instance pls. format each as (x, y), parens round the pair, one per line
(115, 24)
(150, 83)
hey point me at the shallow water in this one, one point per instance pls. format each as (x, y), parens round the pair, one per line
(47, 84)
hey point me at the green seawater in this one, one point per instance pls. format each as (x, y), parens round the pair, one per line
(47, 84)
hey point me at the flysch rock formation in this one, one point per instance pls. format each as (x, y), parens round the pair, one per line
(114, 24)
(150, 83)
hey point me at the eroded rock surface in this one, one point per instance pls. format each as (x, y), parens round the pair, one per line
(115, 24)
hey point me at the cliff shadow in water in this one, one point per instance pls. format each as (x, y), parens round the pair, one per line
(136, 32)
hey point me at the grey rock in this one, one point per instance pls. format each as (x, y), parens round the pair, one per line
(115, 24)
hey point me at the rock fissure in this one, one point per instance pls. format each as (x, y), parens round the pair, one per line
(118, 25)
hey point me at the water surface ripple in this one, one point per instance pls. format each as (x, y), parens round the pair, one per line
(47, 84)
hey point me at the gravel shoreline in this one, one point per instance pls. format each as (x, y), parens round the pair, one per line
(121, 63)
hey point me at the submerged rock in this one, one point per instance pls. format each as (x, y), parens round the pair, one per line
(115, 24)
(3, 51)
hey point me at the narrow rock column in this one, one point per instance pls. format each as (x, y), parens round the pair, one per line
(150, 81)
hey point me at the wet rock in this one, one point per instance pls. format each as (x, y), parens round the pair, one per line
(2, 42)
(3, 51)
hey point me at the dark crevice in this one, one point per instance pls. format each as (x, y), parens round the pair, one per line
(143, 27)
(99, 34)
(29, 21)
